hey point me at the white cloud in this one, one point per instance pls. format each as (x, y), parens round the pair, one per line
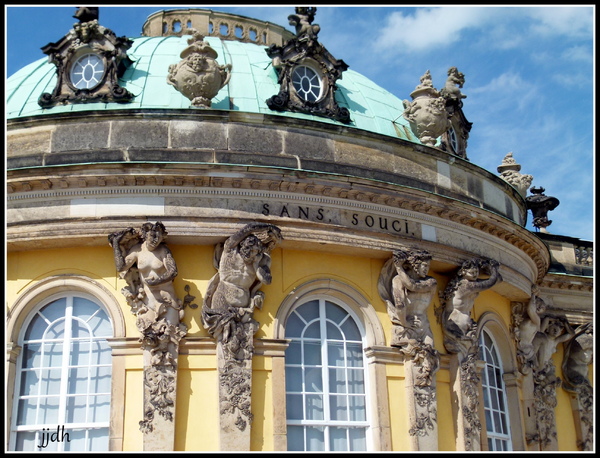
(570, 21)
(429, 27)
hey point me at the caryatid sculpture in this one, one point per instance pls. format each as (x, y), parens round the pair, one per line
(458, 300)
(460, 339)
(244, 265)
(408, 292)
(528, 320)
(146, 263)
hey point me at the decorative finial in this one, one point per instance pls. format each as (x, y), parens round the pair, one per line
(540, 205)
(87, 13)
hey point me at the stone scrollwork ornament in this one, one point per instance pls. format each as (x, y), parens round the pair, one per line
(198, 76)
(145, 262)
(243, 265)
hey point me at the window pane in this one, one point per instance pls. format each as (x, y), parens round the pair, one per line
(338, 441)
(48, 410)
(358, 439)
(314, 407)
(314, 380)
(80, 353)
(339, 407)
(315, 439)
(30, 382)
(335, 353)
(333, 332)
(99, 408)
(56, 331)
(55, 310)
(293, 326)
(26, 441)
(293, 353)
(354, 354)
(334, 312)
(313, 331)
(36, 329)
(356, 380)
(309, 311)
(78, 380)
(51, 381)
(295, 438)
(26, 414)
(294, 406)
(358, 409)
(76, 411)
(53, 354)
(312, 353)
(293, 379)
(74, 440)
(32, 355)
(337, 380)
(351, 331)
(80, 329)
(100, 379)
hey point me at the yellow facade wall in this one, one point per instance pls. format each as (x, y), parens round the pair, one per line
(197, 397)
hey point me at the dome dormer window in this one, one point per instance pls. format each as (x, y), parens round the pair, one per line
(87, 71)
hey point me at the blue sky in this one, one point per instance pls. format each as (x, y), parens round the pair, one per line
(529, 75)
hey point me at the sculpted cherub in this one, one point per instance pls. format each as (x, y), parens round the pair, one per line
(459, 298)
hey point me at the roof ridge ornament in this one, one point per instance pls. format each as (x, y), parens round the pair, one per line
(307, 72)
(89, 60)
(540, 204)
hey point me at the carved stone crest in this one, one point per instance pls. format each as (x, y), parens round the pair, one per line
(307, 72)
(198, 76)
(89, 62)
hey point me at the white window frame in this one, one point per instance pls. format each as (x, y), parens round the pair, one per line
(327, 423)
(51, 428)
(500, 389)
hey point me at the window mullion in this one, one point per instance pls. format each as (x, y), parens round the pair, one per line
(325, 371)
(64, 383)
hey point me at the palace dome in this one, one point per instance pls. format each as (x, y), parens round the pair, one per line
(253, 80)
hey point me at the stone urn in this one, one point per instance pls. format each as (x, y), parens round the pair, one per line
(427, 114)
(198, 76)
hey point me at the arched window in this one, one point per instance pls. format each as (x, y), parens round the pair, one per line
(63, 378)
(326, 400)
(494, 396)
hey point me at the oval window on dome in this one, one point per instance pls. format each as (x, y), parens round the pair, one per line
(87, 71)
(453, 139)
(307, 83)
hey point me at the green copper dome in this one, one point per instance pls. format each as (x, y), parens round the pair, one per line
(253, 81)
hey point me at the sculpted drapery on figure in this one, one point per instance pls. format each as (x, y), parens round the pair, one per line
(243, 265)
(145, 262)
(528, 320)
(408, 292)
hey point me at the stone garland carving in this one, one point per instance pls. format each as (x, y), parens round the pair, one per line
(460, 336)
(305, 49)
(509, 171)
(578, 355)
(408, 292)
(243, 264)
(198, 76)
(554, 331)
(147, 265)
